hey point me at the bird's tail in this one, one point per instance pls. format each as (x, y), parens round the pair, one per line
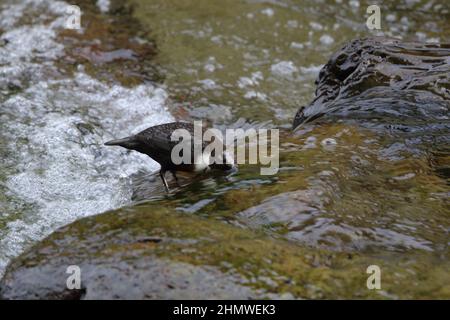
(128, 142)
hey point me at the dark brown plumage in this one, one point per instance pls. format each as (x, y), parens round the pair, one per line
(157, 144)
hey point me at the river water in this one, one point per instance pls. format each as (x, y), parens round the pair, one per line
(63, 93)
(54, 167)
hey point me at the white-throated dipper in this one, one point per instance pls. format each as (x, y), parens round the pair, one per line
(156, 142)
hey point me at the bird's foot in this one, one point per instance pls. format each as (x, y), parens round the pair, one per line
(166, 186)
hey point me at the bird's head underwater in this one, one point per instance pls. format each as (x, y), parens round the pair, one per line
(157, 142)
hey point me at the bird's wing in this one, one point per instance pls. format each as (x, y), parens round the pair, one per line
(158, 141)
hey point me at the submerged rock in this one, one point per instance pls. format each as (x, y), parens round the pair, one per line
(400, 85)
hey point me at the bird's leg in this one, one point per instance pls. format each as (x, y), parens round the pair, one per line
(161, 174)
(175, 176)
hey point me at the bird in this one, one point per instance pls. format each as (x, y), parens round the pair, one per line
(156, 143)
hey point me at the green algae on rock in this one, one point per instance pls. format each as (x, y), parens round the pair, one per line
(151, 252)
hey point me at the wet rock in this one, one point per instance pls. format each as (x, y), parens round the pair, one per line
(141, 278)
(127, 262)
(147, 252)
(399, 89)
(287, 210)
(401, 86)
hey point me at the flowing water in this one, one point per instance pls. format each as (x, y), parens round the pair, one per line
(139, 63)
(54, 167)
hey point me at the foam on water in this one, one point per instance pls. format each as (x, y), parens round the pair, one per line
(284, 69)
(25, 44)
(54, 130)
(103, 5)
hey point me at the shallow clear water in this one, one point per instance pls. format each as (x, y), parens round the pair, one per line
(61, 98)
(258, 60)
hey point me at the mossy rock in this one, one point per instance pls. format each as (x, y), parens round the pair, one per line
(156, 253)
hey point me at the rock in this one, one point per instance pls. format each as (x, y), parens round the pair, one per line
(140, 278)
(149, 252)
(137, 254)
(119, 258)
(394, 87)
(404, 86)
